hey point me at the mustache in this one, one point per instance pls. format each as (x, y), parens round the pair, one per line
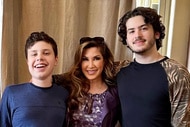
(139, 39)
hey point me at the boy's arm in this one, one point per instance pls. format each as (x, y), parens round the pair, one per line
(180, 98)
(5, 111)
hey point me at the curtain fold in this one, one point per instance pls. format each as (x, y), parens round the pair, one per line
(66, 21)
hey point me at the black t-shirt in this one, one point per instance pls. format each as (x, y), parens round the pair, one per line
(144, 95)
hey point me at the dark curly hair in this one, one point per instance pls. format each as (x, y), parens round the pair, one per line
(150, 17)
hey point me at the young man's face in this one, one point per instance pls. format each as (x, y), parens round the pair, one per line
(140, 36)
(41, 60)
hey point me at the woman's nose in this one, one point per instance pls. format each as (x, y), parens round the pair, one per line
(91, 63)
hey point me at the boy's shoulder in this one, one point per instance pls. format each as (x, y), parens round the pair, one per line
(14, 86)
(13, 89)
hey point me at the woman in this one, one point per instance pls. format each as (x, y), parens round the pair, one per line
(93, 100)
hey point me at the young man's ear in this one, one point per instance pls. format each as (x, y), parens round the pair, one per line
(157, 35)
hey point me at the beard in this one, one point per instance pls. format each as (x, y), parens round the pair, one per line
(141, 49)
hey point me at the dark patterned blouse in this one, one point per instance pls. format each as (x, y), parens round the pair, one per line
(104, 105)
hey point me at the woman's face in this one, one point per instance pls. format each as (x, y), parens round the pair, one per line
(92, 64)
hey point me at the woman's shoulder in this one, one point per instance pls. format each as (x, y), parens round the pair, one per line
(61, 79)
(120, 64)
(113, 90)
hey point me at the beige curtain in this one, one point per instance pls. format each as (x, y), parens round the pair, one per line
(66, 21)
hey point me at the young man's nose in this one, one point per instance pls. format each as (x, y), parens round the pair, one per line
(138, 34)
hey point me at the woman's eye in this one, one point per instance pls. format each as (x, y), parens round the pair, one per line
(84, 59)
(97, 58)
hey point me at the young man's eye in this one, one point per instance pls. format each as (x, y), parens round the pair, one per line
(144, 28)
(130, 31)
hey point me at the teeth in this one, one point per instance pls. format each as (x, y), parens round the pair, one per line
(91, 72)
(40, 65)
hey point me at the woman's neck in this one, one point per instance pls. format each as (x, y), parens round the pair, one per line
(97, 87)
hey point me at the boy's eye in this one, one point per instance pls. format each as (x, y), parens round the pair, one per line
(46, 53)
(33, 54)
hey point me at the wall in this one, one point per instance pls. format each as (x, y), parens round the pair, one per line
(179, 49)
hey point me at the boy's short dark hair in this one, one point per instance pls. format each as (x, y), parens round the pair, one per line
(40, 36)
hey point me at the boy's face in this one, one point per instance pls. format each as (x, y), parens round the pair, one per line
(41, 60)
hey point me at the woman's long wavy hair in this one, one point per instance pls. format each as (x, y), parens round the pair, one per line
(79, 84)
(150, 17)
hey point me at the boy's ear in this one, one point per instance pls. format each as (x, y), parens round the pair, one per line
(56, 60)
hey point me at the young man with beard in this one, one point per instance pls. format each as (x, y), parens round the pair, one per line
(154, 90)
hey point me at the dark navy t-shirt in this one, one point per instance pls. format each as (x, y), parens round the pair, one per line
(26, 105)
(144, 95)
